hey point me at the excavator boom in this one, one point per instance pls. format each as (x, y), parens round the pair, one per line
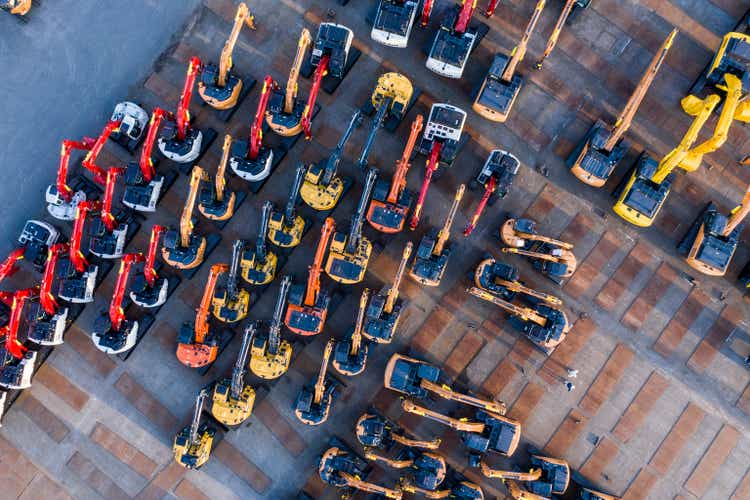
(432, 165)
(335, 158)
(10, 331)
(489, 188)
(46, 297)
(446, 392)
(77, 258)
(186, 219)
(445, 231)
(531, 475)
(238, 373)
(149, 270)
(225, 63)
(116, 311)
(260, 242)
(313, 280)
(392, 296)
(256, 131)
(360, 485)
(523, 312)
(62, 170)
(234, 266)
(109, 193)
(197, 416)
(146, 163)
(459, 425)
(552, 41)
(514, 286)
(203, 312)
(320, 383)
(534, 255)
(398, 183)
(220, 181)
(377, 122)
(89, 163)
(290, 212)
(274, 330)
(355, 231)
(464, 16)
(738, 214)
(320, 72)
(183, 108)
(520, 50)
(356, 339)
(8, 266)
(292, 84)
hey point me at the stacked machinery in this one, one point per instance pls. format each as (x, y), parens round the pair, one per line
(425, 470)
(375, 431)
(553, 258)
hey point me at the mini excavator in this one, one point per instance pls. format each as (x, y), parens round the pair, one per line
(553, 258)
(285, 229)
(250, 160)
(350, 355)
(109, 231)
(194, 348)
(34, 243)
(644, 191)
(501, 279)
(192, 445)
(555, 35)
(184, 249)
(714, 237)
(322, 188)
(178, 141)
(496, 177)
(440, 142)
(313, 404)
(453, 42)
(308, 308)
(384, 310)
(393, 22)
(218, 86)
(391, 202)
(62, 199)
(502, 84)
(350, 253)
(418, 379)
(77, 276)
(341, 470)
(329, 55)
(425, 470)
(133, 123)
(17, 362)
(545, 326)
(375, 431)
(271, 354)
(258, 265)
(113, 332)
(148, 289)
(17, 7)
(285, 111)
(547, 477)
(233, 399)
(47, 320)
(213, 200)
(432, 254)
(731, 58)
(461, 490)
(489, 433)
(142, 185)
(603, 148)
(230, 302)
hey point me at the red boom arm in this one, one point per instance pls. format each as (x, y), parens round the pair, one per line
(62, 171)
(46, 297)
(12, 345)
(488, 190)
(146, 163)
(76, 255)
(89, 163)
(426, 11)
(320, 72)
(464, 17)
(183, 109)
(8, 267)
(491, 8)
(116, 312)
(432, 164)
(149, 271)
(109, 191)
(256, 131)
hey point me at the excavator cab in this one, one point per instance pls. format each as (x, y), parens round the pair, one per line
(384, 310)
(342, 470)
(46, 319)
(16, 7)
(17, 361)
(249, 160)
(213, 200)
(453, 42)
(36, 238)
(733, 57)
(184, 249)
(285, 229)
(285, 110)
(271, 354)
(393, 22)
(149, 290)
(232, 401)
(394, 92)
(424, 470)
(218, 86)
(178, 141)
(142, 185)
(350, 355)
(258, 265)
(192, 445)
(133, 123)
(350, 253)
(77, 276)
(375, 431)
(332, 44)
(496, 177)
(230, 302)
(313, 403)
(109, 232)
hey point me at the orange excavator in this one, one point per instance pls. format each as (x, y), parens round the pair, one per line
(62, 199)
(553, 258)
(285, 229)
(545, 326)
(142, 185)
(218, 86)
(109, 232)
(384, 310)
(602, 149)
(17, 7)
(489, 433)
(192, 445)
(184, 249)
(77, 276)
(502, 84)
(178, 141)
(113, 332)
(425, 469)
(313, 403)
(375, 431)
(502, 280)
(213, 202)
(271, 354)
(230, 302)
(555, 35)
(194, 347)
(306, 314)
(149, 290)
(47, 320)
(18, 362)
(338, 468)
(258, 265)
(350, 355)
(250, 160)
(285, 111)
(233, 399)
(546, 477)
(391, 203)
(418, 379)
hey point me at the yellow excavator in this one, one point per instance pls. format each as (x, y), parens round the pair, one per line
(230, 302)
(184, 249)
(258, 265)
(551, 257)
(731, 57)
(426, 470)
(284, 114)
(374, 430)
(213, 201)
(547, 477)
(233, 399)
(502, 279)
(192, 445)
(218, 86)
(602, 149)
(339, 469)
(642, 195)
(271, 354)
(285, 229)
(313, 404)
(350, 355)
(384, 310)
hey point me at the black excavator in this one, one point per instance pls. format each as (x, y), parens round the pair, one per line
(285, 229)
(271, 354)
(384, 309)
(342, 470)
(230, 302)
(496, 177)
(258, 264)
(314, 402)
(192, 445)
(150, 290)
(350, 354)
(425, 470)
(502, 280)
(453, 42)
(553, 258)
(375, 431)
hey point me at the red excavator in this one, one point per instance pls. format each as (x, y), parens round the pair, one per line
(339, 469)
(142, 185)
(385, 309)
(194, 348)
(113, 332)
(34, 243)
(306, 313)
(496, 177)
(313, 403)
(18, 362)
(375, 431)
(47, 320)
(391, 203)
(453, 42)
(285, 111)
(285, 229)
(148, 289)
(109, 232)
(249, 159)
(213, 202)
(230, 302)
(258, 265)
(62, 199)
(350, 355)
(184, 249)
(77, 276)
(178, 141)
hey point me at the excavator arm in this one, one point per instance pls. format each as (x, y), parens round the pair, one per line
(446, 392)
(520, 50)
(256, 130)
(204, 309)
(242, 16)
(489, 188)
(408, 487)
(146, 162)
(531, 475)
(433, 444)
(66, 193)
(108, 219)
(149, 270)
(46, 297)
(77, 258)
(555, 35)
(292, 84)
(446, 229)
(464, 16)
(398, 183)
(335, 158)
(738, 214)
(432, 165)
(320, 383)
(392, 296)
(183, 108)
(8, 266)
(186, 219)
(524, 313)
(116, 311)
(320, 72)
(515, 286)
(238, 372)
(89, 162)
(394, 464)
(460, 425)
(10, 331)
(357, 333)
(358, 484)
(544, 239)
(534, 255)
(355, 231)
(313, 280)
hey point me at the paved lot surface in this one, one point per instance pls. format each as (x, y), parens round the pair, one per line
(661, 407)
